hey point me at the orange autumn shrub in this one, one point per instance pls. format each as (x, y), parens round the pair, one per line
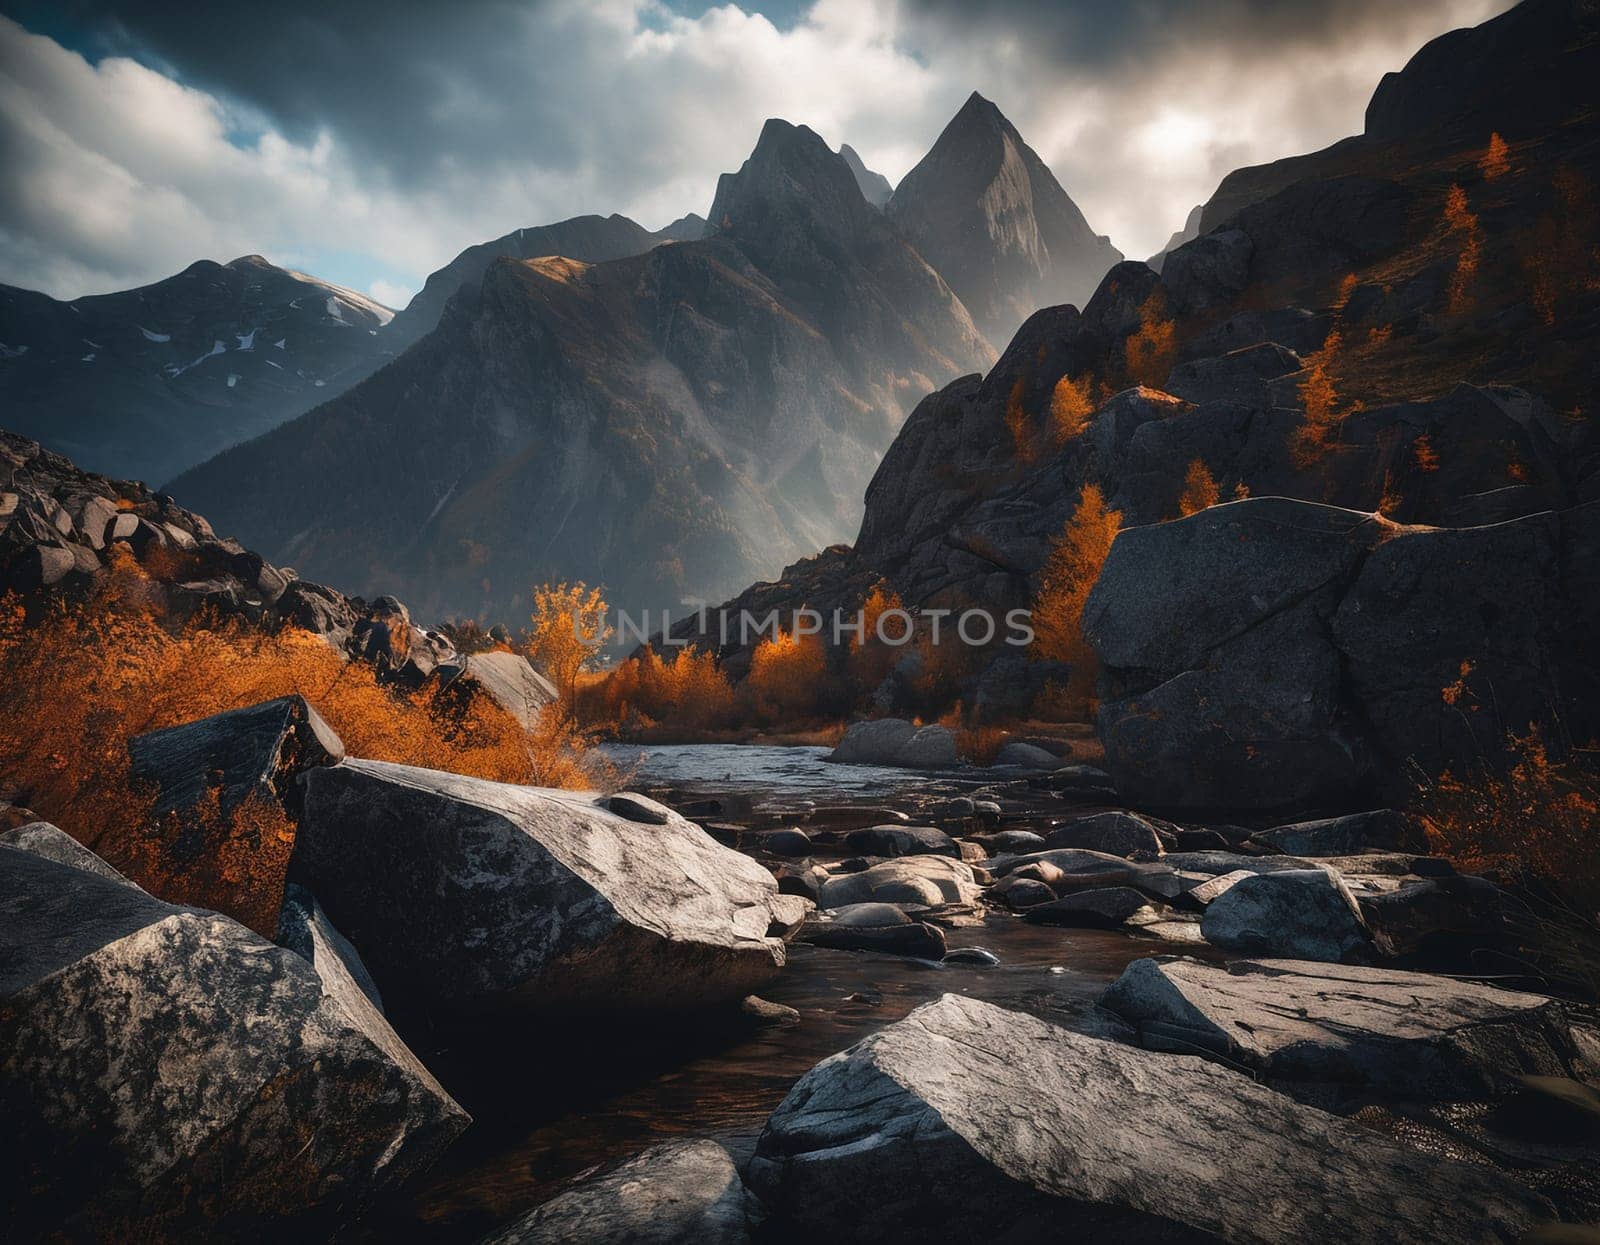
(1424, 455)
(566, 632)
(1153, 348)
(1071, 405)
(689, 690)
(1318, 395)
(1462, 223)
(1200, 490)
(83, 680)
(1068, 575)
(871, 658)
(786, 680)
(1496, 159)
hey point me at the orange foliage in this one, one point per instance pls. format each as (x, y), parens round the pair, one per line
(81, 682)
(1068, 574)
(689, 691)
(1425, 456)
(1071, 405)
(1496, 160)
(1562, 257)
(1018, 424)
(870, 658)
(1462, 222)
(786, 676)
(1151, 350)
(1199, 489)
(1241, 490)
(568, 629)
(1320, 398)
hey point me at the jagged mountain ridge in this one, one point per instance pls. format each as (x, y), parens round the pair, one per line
(667, 424)
(875, 187)
(985, 211)
(591, 239)
(149, 381)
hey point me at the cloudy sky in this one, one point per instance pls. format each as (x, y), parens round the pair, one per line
(368, 141)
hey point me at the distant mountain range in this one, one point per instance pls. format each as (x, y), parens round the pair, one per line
(673, 420)
(146, 382)
(671, 424)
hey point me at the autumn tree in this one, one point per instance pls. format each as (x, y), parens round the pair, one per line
(1200, 490)
(1463, 225)
(786, 679)
(1319, 398)
(1069, 572)
(870, 657)
(1496, 160)
(1153, 348)
(567, 630)
(1071, 405)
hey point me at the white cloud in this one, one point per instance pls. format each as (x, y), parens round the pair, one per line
(390, 294)
(118, 174)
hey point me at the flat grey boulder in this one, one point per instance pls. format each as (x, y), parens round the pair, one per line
(1299, 914)
(1115, 833)
(1381, 830)
(892, 841)
(52, 843)
(928, 880)
(165, 1066)
(874, 927)
(506, 679)
(965, 1122)
(1413, 1034)
(1026, 756)
(676, 1193)
(459, 892)
(1096, 909)
(1068, 869)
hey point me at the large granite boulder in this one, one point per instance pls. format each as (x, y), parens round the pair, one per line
(1116, 833)
(164, 1071)
(227, 798)
(462, 893)
(922, 879)
(52, 843)
(1295, 914)
(675, 1193)
(968, 1123)
(902, 841)
(874, 927)
(505, 679)
(1279, 654)
(896, 742)
(1381, 830)
(1412, 1034)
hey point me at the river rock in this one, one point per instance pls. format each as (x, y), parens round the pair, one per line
(875, 927)
(676, 1193)
(165, 1066)
(968, 1123)
(1019, 893)
(1077, 868)
(460, 892)
(43, 839)
(640, 808)
(1413, 1034)
(873, 743)
(1115, 833)
(1301, 914)
(902, 841)
(1094, 909)
(304, 928)
(1012, 841)
(789, 841)
(228, 795)
(931, 747)
(1026, 756)
(977, 957)
(1382, 830)
(1434, 914)
(927, 880)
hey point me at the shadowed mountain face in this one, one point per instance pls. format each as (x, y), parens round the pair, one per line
(1405, 325)
(991, 217)
(591, 239)
(673, 423)
(875, 188)
(147, 382)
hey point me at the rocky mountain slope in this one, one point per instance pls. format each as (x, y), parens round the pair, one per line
(991, 217)
(591, 239)
(875, 187)
(1405, 328)
(674, 423)
(147, 382)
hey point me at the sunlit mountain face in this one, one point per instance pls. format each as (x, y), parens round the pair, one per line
(634, 623)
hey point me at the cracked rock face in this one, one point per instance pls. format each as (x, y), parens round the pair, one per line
(671, 1194)
(164, 1068)
(461, 892)
(1272, 653)
(1413, 1034)
(966, 1122)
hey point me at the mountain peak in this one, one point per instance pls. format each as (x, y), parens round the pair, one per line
(874, 187)
(986, 211)
(790, 166)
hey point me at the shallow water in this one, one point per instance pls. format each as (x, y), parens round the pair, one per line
(766, 771)
(549, 1101)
